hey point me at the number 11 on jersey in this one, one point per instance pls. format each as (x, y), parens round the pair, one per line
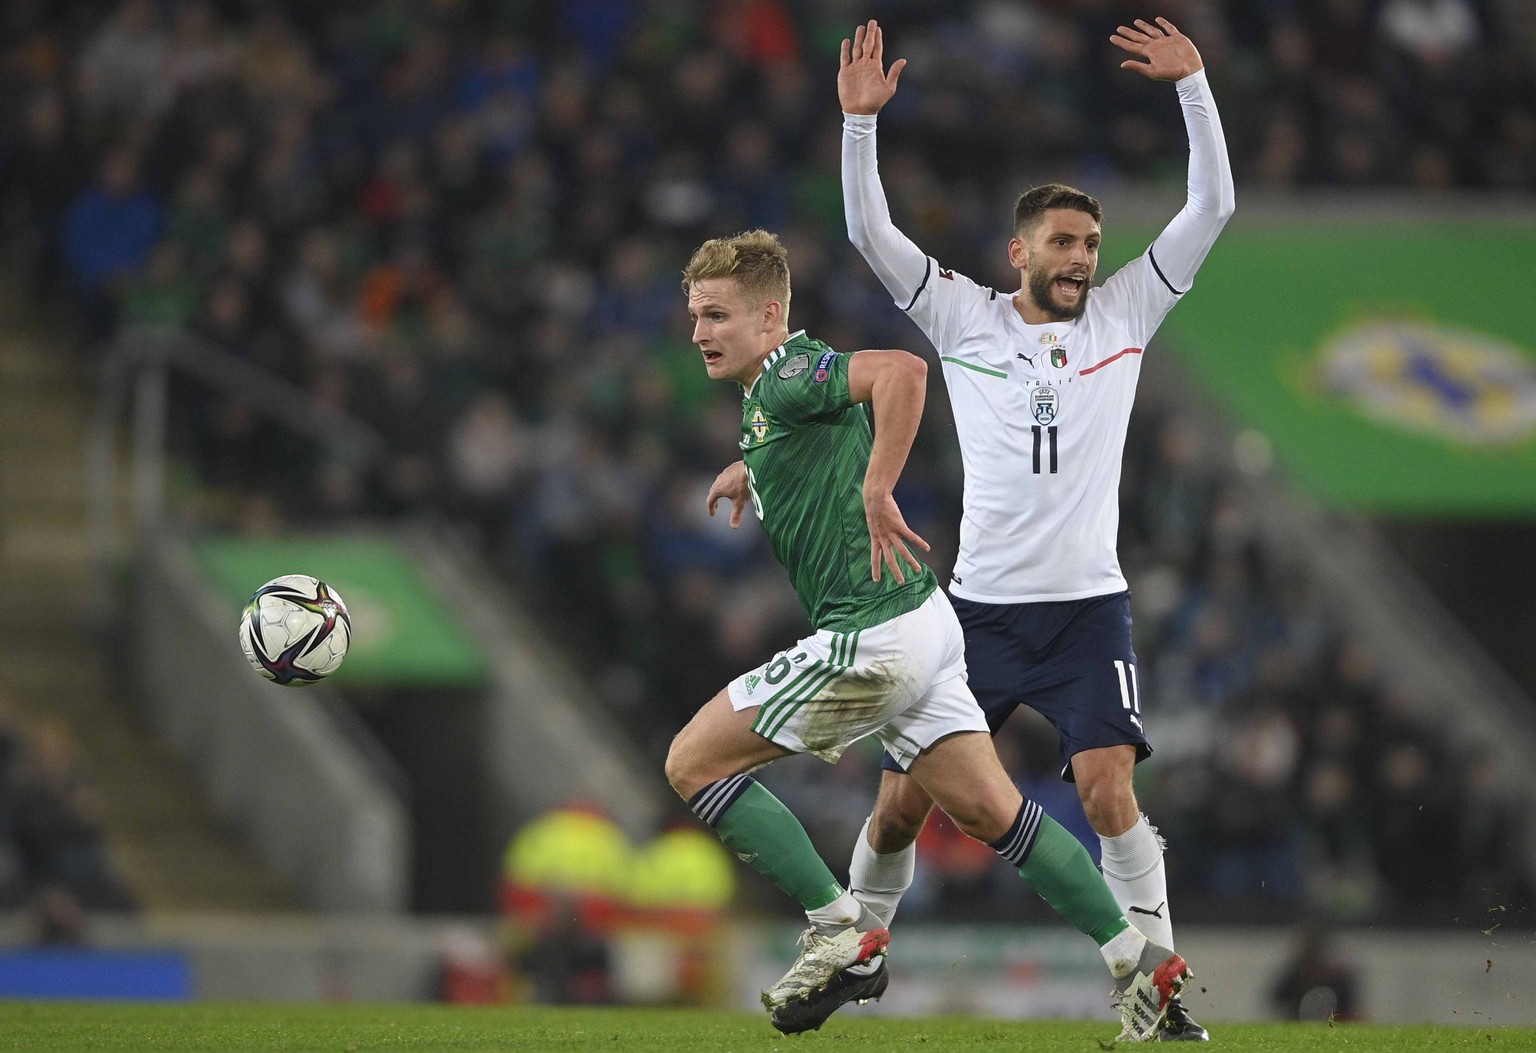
(1050, 436)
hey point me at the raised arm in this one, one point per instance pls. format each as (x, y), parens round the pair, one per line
(863, 87)
(895, 384)
(1164, 53)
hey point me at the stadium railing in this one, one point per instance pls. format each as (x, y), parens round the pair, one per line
(309, 786)
(548, 741)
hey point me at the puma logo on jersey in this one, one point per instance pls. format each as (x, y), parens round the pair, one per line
(1155, 912)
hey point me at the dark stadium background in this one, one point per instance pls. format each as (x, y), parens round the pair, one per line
(459, 226)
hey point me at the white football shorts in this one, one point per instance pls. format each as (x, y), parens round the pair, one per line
(902, 681)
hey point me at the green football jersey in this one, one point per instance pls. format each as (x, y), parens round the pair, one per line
(807, 446)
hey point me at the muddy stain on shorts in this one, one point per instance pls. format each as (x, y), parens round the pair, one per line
(853, 706)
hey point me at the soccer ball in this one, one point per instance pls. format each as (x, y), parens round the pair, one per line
(295, 630)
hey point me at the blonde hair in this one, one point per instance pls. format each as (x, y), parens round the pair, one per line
(755, 258)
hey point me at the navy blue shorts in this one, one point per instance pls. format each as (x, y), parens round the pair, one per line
(1070, 660)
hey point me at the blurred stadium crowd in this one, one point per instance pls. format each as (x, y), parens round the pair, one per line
(463, 222)
(54, 861)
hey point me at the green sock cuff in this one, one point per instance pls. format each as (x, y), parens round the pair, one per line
(1062, 871)
(768, 837)
(822, 898)
(1109, 930)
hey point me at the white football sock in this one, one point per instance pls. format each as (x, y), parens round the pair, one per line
(1133, 870)
(879, 881)
(840, 913)
(1123, 952)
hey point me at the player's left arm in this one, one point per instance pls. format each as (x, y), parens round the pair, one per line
(895, 383)
(1163, 53)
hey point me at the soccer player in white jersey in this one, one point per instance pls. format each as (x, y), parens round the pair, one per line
(1042, 382)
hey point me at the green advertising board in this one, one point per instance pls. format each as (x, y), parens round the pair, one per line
(1391, 365)
(403, 633)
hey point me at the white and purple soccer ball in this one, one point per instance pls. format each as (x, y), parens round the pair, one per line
(295, 630)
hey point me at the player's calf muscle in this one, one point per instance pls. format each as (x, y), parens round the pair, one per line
(891, 829)
(901, 809)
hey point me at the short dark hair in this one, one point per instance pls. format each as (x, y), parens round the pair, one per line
(1036, 202)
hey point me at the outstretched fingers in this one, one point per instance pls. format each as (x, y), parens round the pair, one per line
(1144, 32)
(1165, 53)
(891, 554)
(892, 550)
(1134, 46)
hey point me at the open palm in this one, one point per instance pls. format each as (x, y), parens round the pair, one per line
(1165, 53)
(863, 85)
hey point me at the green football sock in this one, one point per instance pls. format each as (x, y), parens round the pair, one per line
(768, 837)
(1062, 871)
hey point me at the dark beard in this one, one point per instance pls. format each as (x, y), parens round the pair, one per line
(1042, 290)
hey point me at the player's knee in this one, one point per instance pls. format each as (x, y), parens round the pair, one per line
(683, 769)
(1110, 805)
(987, 816)
(985, 827)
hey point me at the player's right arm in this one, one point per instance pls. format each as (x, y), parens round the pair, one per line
(895, 385)
(863, 87)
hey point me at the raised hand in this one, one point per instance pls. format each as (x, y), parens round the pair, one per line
(888, 537)
(863, 85)
(732, 485)
(1167, 54)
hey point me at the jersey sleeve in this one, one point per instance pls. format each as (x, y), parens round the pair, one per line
(939, 305)
(1138, 297)
(1143, 292)
(929, 293)
(807, 387)
(897, 262)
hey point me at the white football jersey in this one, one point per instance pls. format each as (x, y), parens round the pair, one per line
(1041, 412)
(1042, 409)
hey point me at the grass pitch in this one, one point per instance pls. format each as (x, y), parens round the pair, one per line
(204, 1028)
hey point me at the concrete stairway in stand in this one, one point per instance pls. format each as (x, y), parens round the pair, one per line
(171, 850)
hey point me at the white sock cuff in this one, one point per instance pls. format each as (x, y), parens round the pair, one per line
(1123, 952)
(844, 910)
(872, 871)
(1133, 854)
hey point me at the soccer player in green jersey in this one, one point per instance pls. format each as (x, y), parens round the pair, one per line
(824, 437)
